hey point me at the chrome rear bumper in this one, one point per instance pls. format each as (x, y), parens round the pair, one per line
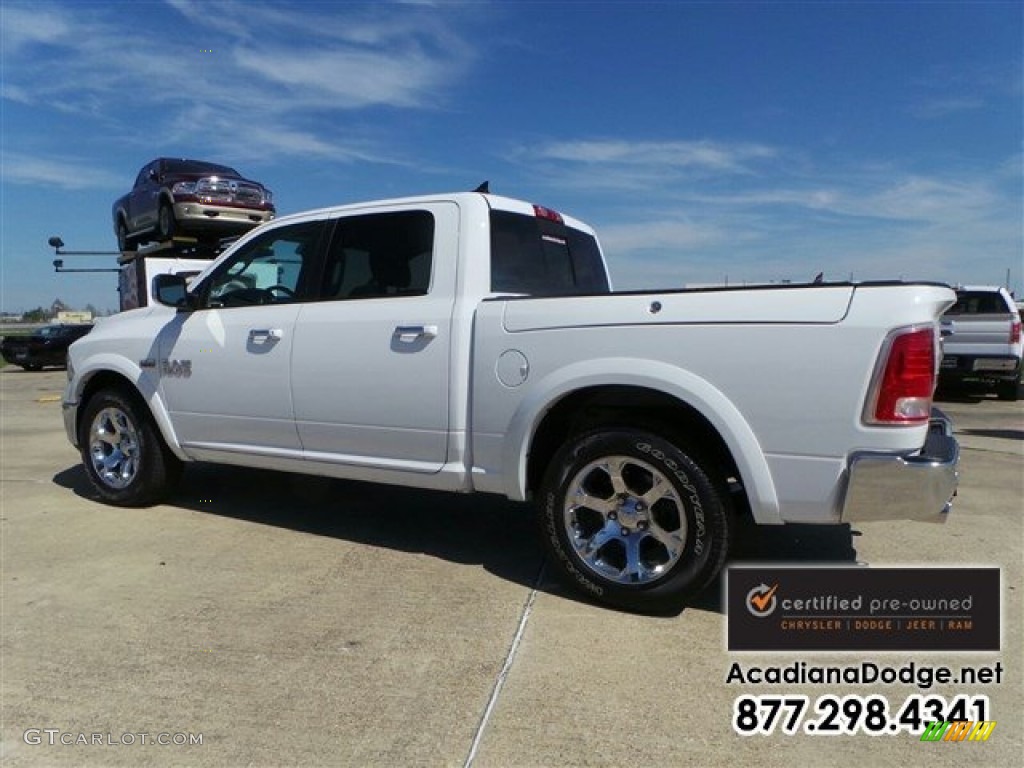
(918, 487)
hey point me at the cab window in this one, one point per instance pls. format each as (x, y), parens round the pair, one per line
(274, 268)
(380, 255)
(539, 257)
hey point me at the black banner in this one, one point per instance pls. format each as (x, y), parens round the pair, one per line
(862, 609)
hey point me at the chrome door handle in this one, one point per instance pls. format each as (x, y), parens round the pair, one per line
(264, 335)
(409, 333)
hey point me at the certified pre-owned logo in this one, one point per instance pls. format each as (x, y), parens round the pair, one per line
(827, 608)
(761, 600)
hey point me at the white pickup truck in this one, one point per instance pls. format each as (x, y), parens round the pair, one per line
(982, 340)
(470, 342)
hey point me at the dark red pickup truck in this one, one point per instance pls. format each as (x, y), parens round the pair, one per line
(189, 197)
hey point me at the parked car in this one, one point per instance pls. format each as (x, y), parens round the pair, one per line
(189, 197)
(47, 346)
(471, 342)
(982, 341)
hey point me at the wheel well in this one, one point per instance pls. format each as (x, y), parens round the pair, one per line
(107, 380)
(627, 406)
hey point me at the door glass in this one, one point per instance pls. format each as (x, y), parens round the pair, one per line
(274, 268)
(380, 255)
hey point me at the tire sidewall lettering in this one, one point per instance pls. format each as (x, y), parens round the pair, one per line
(694, 504)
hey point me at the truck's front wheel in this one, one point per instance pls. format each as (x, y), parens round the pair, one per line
(165, 222)
(632, 520)
(124, 456)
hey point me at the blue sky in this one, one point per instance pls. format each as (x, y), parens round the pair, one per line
(704, 141)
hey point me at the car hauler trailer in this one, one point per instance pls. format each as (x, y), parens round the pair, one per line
(177, 256)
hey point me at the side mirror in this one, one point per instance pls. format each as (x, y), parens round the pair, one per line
(171, 290)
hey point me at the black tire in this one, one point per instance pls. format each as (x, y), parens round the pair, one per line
(32, 367)
(124, 243)
(165, 222)
(1008, 391)
(124, 455)
(590, 545)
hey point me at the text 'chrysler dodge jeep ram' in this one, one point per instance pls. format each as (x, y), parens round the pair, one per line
(471, 342)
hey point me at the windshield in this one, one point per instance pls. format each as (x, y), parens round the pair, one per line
(979, 303)
(196, 166)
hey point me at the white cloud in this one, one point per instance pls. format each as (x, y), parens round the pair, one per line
(771, 214)
(942, 107)
(123, 76)
(347, 79)
(658, 235)
(227, 17)
(24, 26)
(705, 155)
(57, 172)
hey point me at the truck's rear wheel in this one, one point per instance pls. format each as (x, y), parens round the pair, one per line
(124, 455)
(1008, 390)
(124, 243)
(632, 520)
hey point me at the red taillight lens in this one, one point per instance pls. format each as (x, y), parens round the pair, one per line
(546, 213)
(1015, 332)
(903, 393)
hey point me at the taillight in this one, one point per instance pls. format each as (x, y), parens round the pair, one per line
(546, 213)
(1015, 332)
(903, 389)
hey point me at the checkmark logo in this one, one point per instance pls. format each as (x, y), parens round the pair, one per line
(761, 599)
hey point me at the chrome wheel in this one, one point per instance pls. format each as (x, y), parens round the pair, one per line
(114, 448)
(625, 520)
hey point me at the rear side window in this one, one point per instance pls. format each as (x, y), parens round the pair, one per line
(540, 257)
(379, 255)
(979, 303)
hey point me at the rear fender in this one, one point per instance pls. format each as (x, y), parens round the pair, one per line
(682, 385)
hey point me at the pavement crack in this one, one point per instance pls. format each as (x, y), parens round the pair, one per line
(510, 657)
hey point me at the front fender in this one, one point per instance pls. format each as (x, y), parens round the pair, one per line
(144, 381)
(680, 384)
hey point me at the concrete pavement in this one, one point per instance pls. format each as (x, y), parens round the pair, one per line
(300, 621)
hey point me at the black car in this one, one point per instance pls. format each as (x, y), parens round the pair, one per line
(47, 346)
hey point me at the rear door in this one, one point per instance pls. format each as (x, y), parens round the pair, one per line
(143, 202)
(370, 363)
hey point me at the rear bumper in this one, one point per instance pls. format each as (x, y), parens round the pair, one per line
(917, 487)
(994, 367)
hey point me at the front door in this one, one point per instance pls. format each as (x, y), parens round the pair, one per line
(225, 367)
